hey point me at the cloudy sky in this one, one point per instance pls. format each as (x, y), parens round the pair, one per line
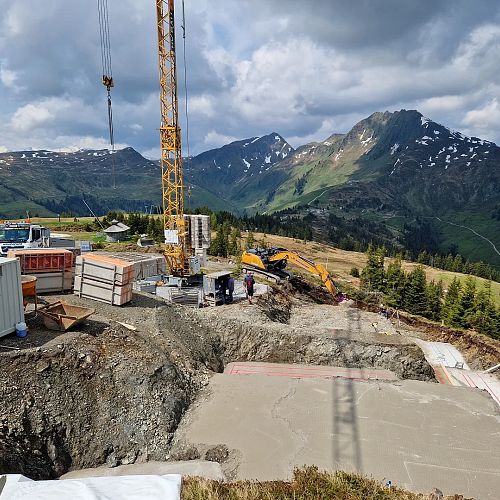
(305, 69)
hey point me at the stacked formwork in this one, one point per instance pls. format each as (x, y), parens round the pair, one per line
(145, 265)
(201, 237)
(109, 277)
(53, 268)
(105, 279)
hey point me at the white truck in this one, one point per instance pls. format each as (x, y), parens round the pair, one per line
(19, 235)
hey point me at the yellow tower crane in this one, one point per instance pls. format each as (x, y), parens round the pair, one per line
(177, 250)
(175, 224)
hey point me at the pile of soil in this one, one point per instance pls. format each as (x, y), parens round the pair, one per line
(112, 397)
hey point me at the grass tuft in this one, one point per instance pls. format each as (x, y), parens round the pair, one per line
(308, 483)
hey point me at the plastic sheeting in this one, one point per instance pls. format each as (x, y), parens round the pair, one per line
(166, 487)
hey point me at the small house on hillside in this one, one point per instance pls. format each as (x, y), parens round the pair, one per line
(117, 232)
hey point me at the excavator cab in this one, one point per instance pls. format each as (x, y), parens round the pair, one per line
(271, 262)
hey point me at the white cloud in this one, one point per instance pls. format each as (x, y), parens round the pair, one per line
(56, 111)
(446, 103)
(75, 143)
(483, 118)
(8, 77)
(151, 154)
(296, 71)
(203, 105)
(30, 117)
(214, 140)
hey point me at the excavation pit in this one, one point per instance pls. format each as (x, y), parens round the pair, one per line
(107, 394)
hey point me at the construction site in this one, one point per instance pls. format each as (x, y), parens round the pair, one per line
(165, 366)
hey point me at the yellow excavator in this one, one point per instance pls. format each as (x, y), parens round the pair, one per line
(271, 263)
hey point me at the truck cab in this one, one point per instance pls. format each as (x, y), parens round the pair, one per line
(20, 235)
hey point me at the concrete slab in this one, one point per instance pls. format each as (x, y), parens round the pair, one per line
(201, 468)
(419, 435)
(307, 371)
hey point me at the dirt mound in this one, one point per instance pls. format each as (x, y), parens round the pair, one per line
(276, 305)
(305, 290)
(114, 398)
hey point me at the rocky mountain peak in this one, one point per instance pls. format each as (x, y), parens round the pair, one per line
(239, 160)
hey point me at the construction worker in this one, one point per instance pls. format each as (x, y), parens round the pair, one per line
(223, 288)
(230, 288)
(249, 284)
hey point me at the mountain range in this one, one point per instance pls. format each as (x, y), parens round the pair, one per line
(391, 169)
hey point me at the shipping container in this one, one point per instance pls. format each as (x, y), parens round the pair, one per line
(11, 296)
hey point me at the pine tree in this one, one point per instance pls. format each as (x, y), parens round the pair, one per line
(438, 261)
(448, 262)
(423, 257)
(220, 244)
(234, 242)
(483, 317)
(372, 276)
(452, 312)
(467, 301)
(213, 220)
(250, 240)
(458, 264)
(395, 283)
(434, 294)
(415, 296)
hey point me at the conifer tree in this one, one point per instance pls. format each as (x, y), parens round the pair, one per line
(395, 283)
(250, 240)
(452, 312)
(483, 316)
(220, 243)
(423, 257)
(234, 242)
(458, 264)
(415, 296)
(467, 299)
(372, 276)
(434, 294)
(448, 262)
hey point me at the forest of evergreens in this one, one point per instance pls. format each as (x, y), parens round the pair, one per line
(464, 305)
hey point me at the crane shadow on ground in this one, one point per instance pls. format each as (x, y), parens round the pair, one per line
(346, 439)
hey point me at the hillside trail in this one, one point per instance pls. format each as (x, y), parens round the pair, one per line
(472, 230)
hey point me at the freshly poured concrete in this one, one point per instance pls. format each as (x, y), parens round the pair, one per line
(419, 435)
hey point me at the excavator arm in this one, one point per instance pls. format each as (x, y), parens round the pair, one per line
(309, 266)
(271, 263)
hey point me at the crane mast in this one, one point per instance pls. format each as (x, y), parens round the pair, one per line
(175, 224)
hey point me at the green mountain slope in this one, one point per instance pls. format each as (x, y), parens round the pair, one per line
(395, 168)
(398, 174)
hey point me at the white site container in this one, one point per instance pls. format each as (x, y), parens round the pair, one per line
(11, 295)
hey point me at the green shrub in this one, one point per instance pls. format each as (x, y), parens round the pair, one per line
(355, 272)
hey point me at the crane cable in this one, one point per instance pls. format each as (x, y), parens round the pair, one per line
(186, 108)
(107, 73)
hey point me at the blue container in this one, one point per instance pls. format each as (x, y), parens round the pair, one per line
(21, 330)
